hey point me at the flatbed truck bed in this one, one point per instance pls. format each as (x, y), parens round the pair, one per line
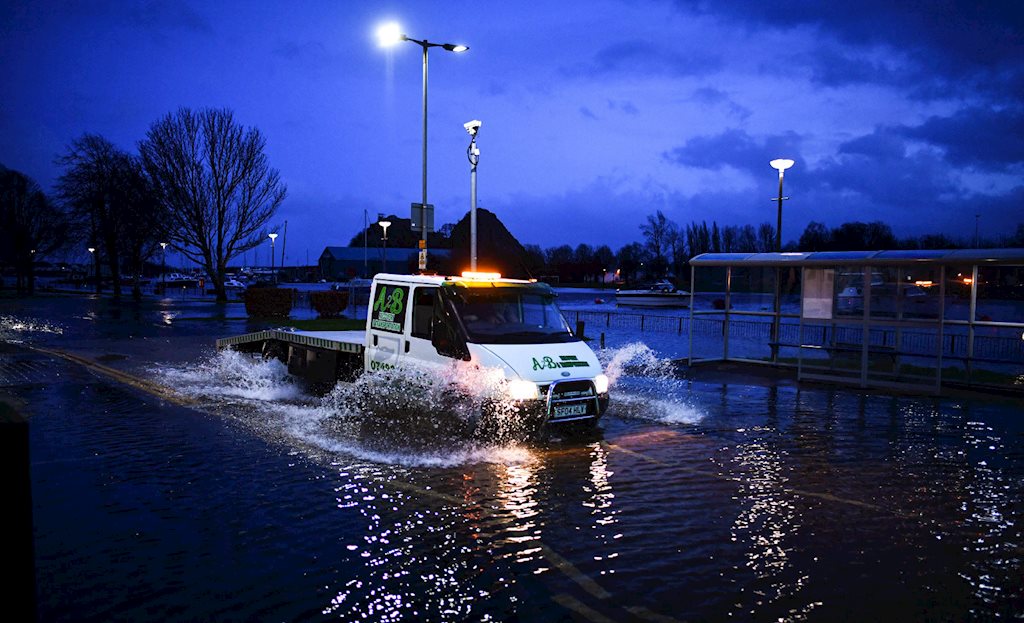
(320, 358)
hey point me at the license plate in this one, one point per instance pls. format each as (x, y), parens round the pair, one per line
(568, 410)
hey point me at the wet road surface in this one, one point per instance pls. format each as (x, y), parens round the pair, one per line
(694, 500)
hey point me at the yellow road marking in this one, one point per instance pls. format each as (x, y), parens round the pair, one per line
(160, 391)
(574, 574)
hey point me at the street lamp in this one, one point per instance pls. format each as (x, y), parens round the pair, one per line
(473, 153)
(388, 35)
(163, 265)
(384, 225)
(781, 164)
(96, 263)
(273, 237)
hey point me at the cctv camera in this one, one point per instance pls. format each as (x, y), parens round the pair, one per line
(472, 126)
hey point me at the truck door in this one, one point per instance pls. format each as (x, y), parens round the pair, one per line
(418, 346)
(389, 315)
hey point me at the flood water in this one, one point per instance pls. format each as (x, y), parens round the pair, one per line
(737, 499)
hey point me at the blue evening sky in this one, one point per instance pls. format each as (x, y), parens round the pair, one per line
(595, 114)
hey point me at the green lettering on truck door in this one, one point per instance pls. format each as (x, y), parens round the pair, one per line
(388, 313)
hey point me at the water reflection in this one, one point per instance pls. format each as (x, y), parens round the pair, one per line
(516, 494)
(768, 521)
(420, 563)
(988, 510)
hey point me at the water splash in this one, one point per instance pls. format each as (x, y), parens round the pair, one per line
(646, 386)
(232, 374)
(15, 330)
(430, 404)
(414, 417)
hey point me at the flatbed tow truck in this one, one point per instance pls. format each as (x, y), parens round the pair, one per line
(428, 322)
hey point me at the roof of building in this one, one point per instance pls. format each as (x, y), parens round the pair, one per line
(859, 258)
(374, 253)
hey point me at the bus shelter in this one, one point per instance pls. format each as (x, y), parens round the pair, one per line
(930, 318)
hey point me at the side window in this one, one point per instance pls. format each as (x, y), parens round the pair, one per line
(422, 311)
(389, 307)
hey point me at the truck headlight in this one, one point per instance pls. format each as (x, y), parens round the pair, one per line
(519, 389)
(601, 384)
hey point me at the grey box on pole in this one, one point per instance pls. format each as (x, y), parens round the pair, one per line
(418, 213)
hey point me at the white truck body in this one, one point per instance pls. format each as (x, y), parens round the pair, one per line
(424, 321)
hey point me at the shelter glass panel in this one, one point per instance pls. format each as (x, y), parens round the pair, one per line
(958, 292)
(849, 292)
(709, 288)
(919, 292)
(885, 298)
(753, 288)
(1000, 294)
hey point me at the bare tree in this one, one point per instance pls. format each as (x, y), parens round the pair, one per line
(138, 208)
(746, 241)
(112, 201)
(730, 234)
(655, 230)
(89, 186)
(766, 238)
(212, 176)
(34, 227)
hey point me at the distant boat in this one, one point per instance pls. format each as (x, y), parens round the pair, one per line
(660, 294)
(179, 280)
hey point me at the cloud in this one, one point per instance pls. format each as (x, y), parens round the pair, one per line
(882, 145)
(979, 137)
(623, 106)
(643, 58)
(943, 42)
(587, 113)
(734, 148)
(712, 97)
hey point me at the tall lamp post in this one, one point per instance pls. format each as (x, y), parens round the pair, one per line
(781, 164)
(473, 153)
(273, 238)
(388, 35)
(384, 225)
(96, 264)
(163, 265)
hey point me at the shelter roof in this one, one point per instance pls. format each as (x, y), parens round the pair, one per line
(1013, 256)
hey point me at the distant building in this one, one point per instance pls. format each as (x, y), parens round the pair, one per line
(341, 263)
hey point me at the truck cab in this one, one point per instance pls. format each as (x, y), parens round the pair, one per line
(507, 324)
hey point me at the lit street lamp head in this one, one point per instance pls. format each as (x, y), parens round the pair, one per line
(781, 164)
(389, 34)
(92, 249)
(272, 237)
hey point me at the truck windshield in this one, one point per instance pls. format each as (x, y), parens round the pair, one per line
(511, 316)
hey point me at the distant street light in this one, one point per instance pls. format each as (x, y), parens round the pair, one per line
(96, 264)
(384, 225)
(389, 35)
(473, 153)
(163, 265)
(781, 164)
(273, 237)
